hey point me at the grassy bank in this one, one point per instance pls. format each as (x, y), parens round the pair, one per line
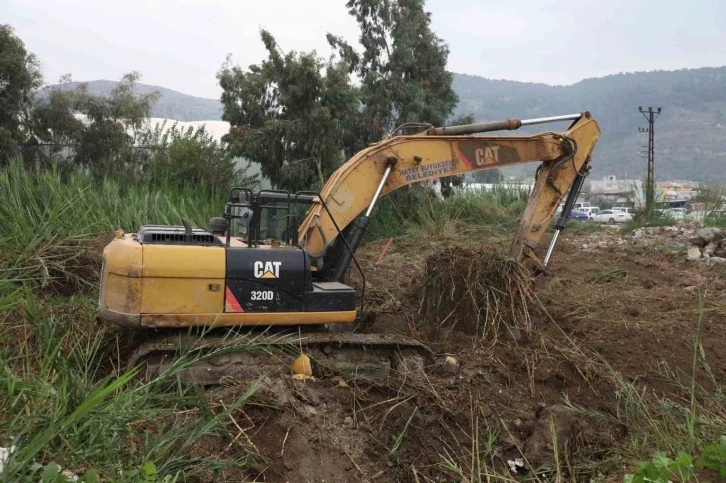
(49, 220)
(64, 404)
(416, 213)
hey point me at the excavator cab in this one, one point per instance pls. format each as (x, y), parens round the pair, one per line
(265, 217)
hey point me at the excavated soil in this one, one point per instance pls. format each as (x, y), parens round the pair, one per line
(624, 307)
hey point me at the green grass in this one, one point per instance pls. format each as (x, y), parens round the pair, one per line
(62, 403)
(411, 213)
(48, 219)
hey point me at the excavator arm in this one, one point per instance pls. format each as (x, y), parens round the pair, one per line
(437, 152)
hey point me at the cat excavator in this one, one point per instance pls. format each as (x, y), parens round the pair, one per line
(272, 270)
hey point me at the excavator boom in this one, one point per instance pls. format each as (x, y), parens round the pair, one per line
(439, 152)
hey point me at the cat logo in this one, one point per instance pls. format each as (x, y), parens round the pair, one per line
(488, 155)
(267, 269)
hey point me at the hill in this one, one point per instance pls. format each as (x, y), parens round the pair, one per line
(690, 133)
(171, 104)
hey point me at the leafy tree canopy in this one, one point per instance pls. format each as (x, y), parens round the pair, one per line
(292, 113)
(20, 76)
(103, 139)
(299, 116)
(402, 68)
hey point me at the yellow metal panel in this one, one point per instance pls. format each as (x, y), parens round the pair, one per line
(182, 279)
(123, 256)
(120, 285)
(181, 261)
(182, 295)
(247, 319)
(121, 294)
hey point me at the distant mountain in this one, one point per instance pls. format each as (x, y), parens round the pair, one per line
(690, 134)
(171, 104)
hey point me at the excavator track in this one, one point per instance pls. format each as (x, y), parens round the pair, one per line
(371, 356)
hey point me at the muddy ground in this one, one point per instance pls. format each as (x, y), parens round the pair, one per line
(617, 310)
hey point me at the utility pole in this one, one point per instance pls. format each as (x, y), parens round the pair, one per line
(651, 115)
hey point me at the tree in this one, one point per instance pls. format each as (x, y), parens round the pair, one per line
(293, 113)
(190, 156)
(402, 69)
(20, 76)
(101, 131)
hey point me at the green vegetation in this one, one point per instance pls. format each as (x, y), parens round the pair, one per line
(48, 219)
(419, 214)
(20, 75)
(301, 116)
(662, 469)
(63, 405)
(64, 402)
(169, 105)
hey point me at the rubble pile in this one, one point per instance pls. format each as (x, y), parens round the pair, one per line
(658, 235)
(707, 244)
(703, 244)
(651, 235)
(603, 240)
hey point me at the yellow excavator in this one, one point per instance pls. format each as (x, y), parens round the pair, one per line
(276, 262)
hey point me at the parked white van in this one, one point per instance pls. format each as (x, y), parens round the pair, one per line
(624, 209)
(590, 210)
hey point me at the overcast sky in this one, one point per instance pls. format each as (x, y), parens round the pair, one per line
(180, 44)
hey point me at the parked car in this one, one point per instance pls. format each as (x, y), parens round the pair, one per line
(611, 217)
(579, 215)
(590, 210)
(625, 209)
(581, 204)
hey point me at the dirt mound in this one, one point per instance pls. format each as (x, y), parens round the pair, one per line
(479, 291)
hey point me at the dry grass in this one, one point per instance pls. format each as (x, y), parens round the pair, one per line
(479, 291)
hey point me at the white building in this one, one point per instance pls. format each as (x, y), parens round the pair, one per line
(614, 189)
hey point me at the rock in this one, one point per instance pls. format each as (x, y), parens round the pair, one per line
(704, 236)
(4, 456)
(720, 250)
(694, 253)
(716, 260)
(348, 421)
(709, 249)
(692, 288)
(515, 464)
(539, 448)
(638, 235)
(447, 367)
